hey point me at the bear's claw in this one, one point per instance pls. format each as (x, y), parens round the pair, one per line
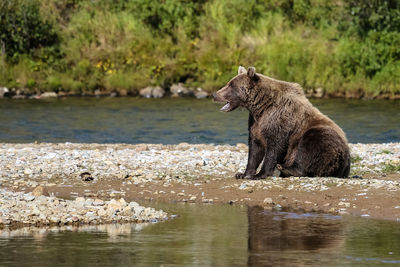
(279, 167)
(239, 175)
(254, 177)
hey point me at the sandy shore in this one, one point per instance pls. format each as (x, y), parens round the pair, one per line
(194, 173)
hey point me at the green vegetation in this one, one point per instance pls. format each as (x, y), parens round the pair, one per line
(355, 159)
(344, 47)
(385, 151)
(391, 167)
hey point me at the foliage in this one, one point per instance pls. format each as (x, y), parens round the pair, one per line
(80, 45)
(371, 15)
(22, 29)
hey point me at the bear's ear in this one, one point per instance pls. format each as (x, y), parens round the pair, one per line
(251, 72)
(241, 70)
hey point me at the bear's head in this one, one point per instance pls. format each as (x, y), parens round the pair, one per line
(236, 93)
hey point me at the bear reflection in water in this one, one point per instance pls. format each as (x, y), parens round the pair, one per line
(272, 233)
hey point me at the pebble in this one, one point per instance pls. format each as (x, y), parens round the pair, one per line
(59, 165)
(18, 207)
(268, 200)
(346, 204)
(142, 165)
(98, 202)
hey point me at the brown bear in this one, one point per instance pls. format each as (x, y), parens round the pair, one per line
(285, 130)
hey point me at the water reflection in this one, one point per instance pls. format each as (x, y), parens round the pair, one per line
(273, 232)
(113, 231)
(209, 235)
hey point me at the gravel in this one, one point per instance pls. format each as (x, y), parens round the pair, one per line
(22, 208)
(27, 166)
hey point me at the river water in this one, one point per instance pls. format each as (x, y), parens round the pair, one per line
(201, 235)
(172, 120)
(210, 235)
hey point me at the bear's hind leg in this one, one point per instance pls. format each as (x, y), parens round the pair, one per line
(322, 153)
(289, 171)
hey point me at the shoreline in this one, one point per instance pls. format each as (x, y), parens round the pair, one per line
(158, 92)
(196, 174)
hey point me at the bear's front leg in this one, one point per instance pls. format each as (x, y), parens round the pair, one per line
(255, 156)
(271, 158)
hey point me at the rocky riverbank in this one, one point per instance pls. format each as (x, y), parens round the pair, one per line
(93, 183)
(38, 209)
(175, 90)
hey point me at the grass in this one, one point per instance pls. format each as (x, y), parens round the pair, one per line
(385, 151)
(355, 159)
(391, 168)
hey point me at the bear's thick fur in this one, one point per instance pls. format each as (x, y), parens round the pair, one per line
(285, 130)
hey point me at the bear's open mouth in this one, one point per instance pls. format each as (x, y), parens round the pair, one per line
(226, 107)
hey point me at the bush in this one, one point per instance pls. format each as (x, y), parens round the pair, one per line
(365, 16)
(22, 29)
(81, 45)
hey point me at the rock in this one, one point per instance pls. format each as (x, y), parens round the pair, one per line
(157, 92)
(88, 202)
(199, 93)
(3, 91)
(138, 210)
(146, 92)
(180, 90)
(28, 197)
(346, 204)
(133, 204)
(62, 94)
(98, 92)
(98, 202)
(268, 200)
(48, 95)
(40, 191)
(80, 200)
(122, 202)
(34, 212)
(86, 176)
(114, 206)
(127, 211)
(319, 93)
(55, 219)
(123, 92)
(43, 199)
(102, 212)
(242, 186)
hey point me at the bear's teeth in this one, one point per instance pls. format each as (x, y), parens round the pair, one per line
(226, 107)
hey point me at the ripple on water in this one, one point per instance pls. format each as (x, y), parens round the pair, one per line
(171, 121)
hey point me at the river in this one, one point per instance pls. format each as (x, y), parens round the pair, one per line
(172, 120)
